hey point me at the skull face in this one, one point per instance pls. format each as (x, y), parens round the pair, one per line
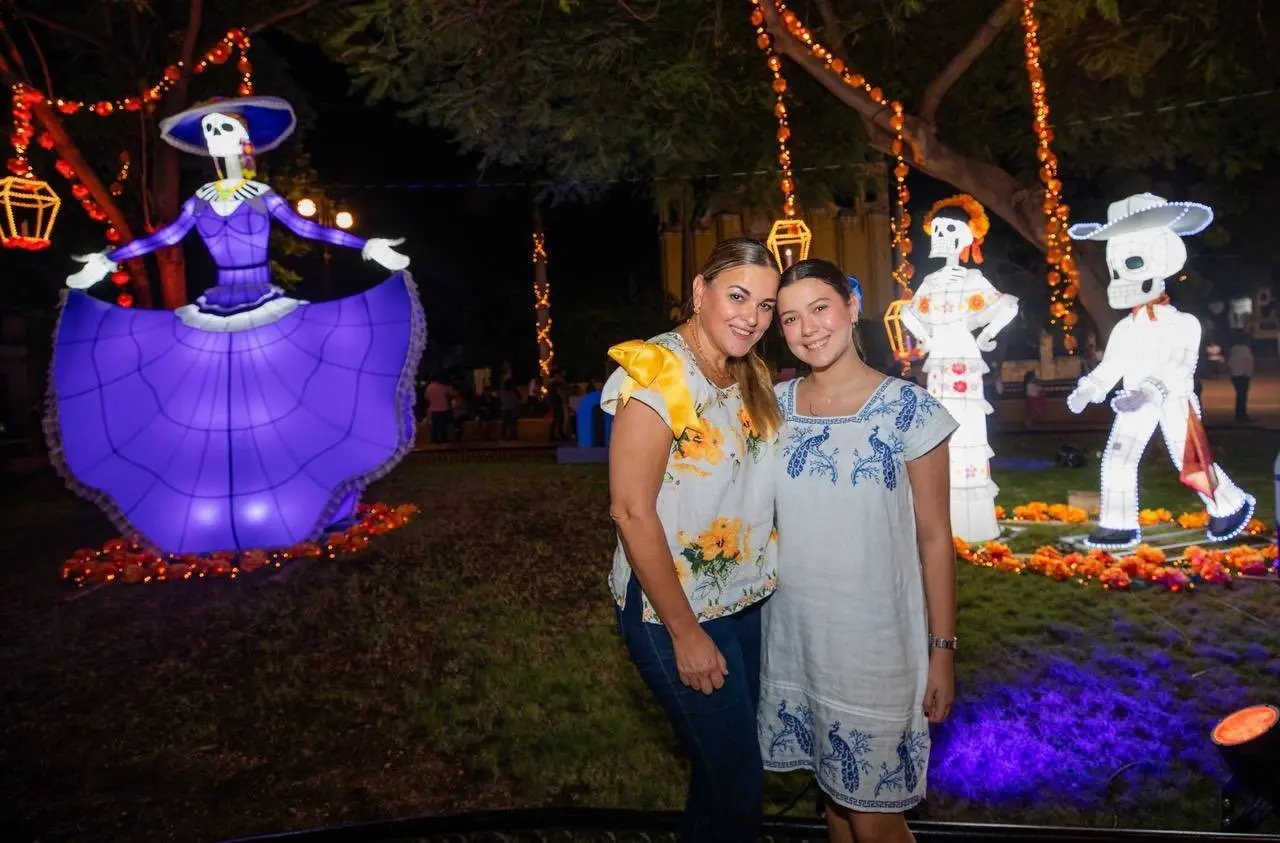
(948, 236)
(224, 136)
(1139, 263)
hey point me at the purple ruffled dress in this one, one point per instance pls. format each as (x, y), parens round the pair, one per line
(246, 420)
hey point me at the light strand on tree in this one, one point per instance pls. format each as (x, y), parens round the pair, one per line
(1063, 276)
(218, 54)
(765, 42)
(900, 228)
(900, 221)
(542, 307)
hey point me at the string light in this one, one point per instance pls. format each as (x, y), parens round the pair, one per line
(125, 561)
(790, 238)
(900, 222)
(542, 306)
(220, 53)
(24, 97)
(1063, 276)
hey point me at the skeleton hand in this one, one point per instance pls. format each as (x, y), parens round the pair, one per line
(378, 250)
(1129, 400)
(1085, 393)
(986, 343)
(96, 267)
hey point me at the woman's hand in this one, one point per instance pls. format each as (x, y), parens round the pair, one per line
(699, 661)
(940, 690)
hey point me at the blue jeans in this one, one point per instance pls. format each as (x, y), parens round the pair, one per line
(717, 731)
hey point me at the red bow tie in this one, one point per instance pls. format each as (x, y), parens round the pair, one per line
(1151, 307)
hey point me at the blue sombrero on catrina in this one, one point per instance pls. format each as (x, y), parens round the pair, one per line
(270, 120)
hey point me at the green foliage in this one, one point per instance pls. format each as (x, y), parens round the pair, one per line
(595, 89)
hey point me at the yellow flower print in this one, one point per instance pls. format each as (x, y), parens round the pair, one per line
(682, 571)
(721, 539)
(701, 447)
(748, 426)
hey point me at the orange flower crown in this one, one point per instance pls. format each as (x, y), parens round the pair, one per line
(979, 224)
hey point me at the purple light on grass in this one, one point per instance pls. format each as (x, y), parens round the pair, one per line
(1061, 734)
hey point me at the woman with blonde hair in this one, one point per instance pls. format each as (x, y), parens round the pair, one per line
(691, 491)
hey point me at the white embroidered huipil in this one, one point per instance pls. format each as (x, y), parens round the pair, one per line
(846, 635)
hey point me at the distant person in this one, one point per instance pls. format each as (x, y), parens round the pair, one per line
(461, 408)
(1037, 404)
(1240, 367)
(509, 407)
(439, 411)
(558, 398)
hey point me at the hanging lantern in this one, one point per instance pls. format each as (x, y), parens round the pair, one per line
(789, 241)
(901, 342)
(30, 207)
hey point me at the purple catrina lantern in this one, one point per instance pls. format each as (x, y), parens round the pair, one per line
(248, 419)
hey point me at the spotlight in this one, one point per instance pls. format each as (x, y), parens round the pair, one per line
(1249, 742)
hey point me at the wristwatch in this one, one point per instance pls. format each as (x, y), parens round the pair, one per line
(942, 643)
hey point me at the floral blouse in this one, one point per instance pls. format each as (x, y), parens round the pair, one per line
(716, 499)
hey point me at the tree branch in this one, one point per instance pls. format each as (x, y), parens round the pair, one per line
(964, 59)
(69, 152)
(1000, 192)
(65, 30)
(281, 16)
(831, 24)
(35, 45)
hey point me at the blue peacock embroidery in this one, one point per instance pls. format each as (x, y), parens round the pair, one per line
(912, 759)
(806, 447)
(882, 464)
(796, 732)
(913, 408)
(848, 756)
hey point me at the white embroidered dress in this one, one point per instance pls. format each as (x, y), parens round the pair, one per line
(846, 636)
(716, 498)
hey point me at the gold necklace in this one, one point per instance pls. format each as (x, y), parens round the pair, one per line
(719, 376)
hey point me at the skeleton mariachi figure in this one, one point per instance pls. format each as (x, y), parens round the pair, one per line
(1153, 351)
(249, 419)
(950, 304)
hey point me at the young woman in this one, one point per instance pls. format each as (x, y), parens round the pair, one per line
(859, 638)
(691, 489)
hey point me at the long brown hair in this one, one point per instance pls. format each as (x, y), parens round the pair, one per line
(828, 273)
(755, 383)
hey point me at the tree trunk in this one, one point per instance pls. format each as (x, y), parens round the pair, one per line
(542, 299)
(688, 266)
(166, 189)
(67, 149)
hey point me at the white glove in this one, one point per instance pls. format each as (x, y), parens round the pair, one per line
(1129, 400)
(96, 267)
(986, 343)
(378, 250)
(1085, 393)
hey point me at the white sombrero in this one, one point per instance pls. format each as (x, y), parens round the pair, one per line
(1146, 211)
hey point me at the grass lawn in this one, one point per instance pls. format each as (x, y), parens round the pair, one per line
(469, 661)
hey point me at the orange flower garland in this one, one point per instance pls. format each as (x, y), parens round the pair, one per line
(123, 560)
(1145, 565)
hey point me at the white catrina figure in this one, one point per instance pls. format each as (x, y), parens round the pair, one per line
(950, 304)
(1153, 352)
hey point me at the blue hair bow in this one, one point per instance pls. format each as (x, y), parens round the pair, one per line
(856, 288)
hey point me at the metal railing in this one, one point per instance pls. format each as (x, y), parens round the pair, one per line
(598, 825)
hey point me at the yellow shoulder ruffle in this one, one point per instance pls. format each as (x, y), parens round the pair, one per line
(652, 366)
